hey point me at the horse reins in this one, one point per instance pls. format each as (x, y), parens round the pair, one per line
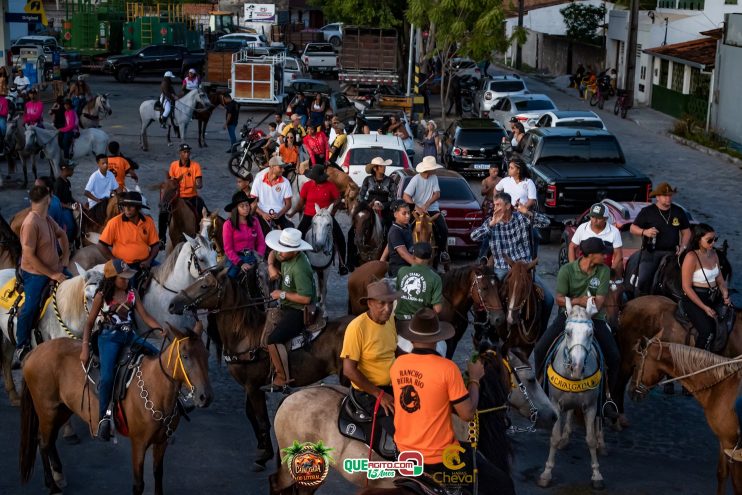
(526, 333)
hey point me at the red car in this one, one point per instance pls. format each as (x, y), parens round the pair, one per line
(458, 204)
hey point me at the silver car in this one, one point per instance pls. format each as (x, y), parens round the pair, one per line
(491, 90)
(571, 118)
(527, 109)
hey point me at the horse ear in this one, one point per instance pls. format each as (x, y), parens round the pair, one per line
(198, 328)
(173, 332)
(530, 266)
(509, 261)
(317, 209)
(204, 213)
(568, 305)
(329, 210)
(191, 240)
(80, 270)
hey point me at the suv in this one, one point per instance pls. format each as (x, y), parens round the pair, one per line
(154, 60)
(333, 33)
(526, 108)
(251, 39)
(469, 146)
(491, 90)
(360, 149)
(571, 118)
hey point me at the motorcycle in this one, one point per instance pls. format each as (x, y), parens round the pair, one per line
(247, 151)
(469, 86)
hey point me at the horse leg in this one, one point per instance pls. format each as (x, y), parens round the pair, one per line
(556, 433)
(168, 136)
(256, 411)
(69, 435)
(722, 471)
(54, 461)
(143, 136)
(6, 356)
(202, 132)
(47, 435)
(138, 450)
(158, 454)
(591, 437)
(567, 431)
(322, 277)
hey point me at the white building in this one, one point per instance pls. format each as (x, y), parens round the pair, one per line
(726, 105)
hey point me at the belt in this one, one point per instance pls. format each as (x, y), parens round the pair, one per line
(122, 327)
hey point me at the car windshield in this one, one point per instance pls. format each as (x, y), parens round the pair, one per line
(319, 48)
(534, 105)
(597, 124)
(507, 86)
(362, 156)
(581, 149)
(480, 137)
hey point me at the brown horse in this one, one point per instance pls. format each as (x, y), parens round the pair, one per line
(522, 308)
(716, 389)
(202, 116)
(183, 219)
(367, 232)
(349, 190)
(10, 246)
(55, 388)
(240, 317)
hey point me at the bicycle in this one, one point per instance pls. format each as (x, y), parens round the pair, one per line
(623, 103)
(601, 93)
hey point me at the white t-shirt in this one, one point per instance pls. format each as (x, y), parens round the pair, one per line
(270, 196)
(420, 190)
(21, 83)
(609, 234)
(101, 186)
(519, 192)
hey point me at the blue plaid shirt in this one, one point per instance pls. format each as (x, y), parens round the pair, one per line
(513, 238)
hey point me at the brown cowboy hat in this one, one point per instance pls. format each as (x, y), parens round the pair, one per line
(425, 327)
(380, 291)
(664, 189)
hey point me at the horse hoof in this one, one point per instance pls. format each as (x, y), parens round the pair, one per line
(598, 485)
(72, 439)
(543, 482)
(59, 479)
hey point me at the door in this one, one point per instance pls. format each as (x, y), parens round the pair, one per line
(171, 59)
(148, 60)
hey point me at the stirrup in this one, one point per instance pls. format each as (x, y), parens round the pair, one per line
(104, 428)
(609, 412)
(271, 388)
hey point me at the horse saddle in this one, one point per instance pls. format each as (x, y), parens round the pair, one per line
(302, 341)
(12, 298)
(426, 485)
(356, 422)
(725, 316)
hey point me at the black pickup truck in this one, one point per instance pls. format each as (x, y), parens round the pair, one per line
(574, 168)
(155, 60)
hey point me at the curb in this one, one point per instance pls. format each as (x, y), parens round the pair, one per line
(704, 149)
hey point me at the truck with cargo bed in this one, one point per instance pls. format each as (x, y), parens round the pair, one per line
(369, 57)
(258, 80)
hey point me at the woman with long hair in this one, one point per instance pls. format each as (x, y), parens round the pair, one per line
(242, 235)
(34, 110)
(431, 140)
(317, 111)
(518, 184)
(288, 151)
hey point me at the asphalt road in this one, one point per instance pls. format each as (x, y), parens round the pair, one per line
(668, 449)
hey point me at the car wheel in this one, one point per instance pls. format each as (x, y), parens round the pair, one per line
(125, 75)
(563, 254)
(335, 41)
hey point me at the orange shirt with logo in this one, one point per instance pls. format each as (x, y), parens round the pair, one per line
(426, 386)
(119, 165)
(187, 177)
(130, 240)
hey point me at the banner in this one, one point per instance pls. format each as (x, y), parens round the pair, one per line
(36, 7)
(260, 12)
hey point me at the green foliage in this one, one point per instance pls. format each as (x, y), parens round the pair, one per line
(583, 21)
(379, 13)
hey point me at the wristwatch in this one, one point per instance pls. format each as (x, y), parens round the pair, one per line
(282, 296)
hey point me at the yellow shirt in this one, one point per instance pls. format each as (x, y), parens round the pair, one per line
(372, 346)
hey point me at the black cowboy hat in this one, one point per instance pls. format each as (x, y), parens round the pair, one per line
(317, 174)
(132, 198)
(237, 198)
(425, 327)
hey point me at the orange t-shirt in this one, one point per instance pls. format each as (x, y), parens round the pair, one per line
(187, 177)
(425, 385)
(130, 241)
(289, 155)
(119, 165)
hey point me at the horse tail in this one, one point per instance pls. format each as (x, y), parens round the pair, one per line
(29, 435)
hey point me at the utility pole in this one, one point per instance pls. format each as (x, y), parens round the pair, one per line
(631, 54)
(518, 49)
(410, 60)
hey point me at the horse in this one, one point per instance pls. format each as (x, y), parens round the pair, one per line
(240, 317)
(368, 232)
(202, 115)
(91, 142)
(523, 308)
(94, 111)
(349, 190)
(311, 414)
(15, 143)
(87, 257)
(10, 246)
(183, 219)
(575, 358)
(714, 382)
(56, 387)
(319, 236)
(182, 113)
(211, 228)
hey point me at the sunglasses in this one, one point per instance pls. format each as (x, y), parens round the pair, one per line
(712, 240)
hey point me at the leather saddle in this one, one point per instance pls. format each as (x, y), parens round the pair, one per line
(314, 323)
(725, 316)
(355, 422)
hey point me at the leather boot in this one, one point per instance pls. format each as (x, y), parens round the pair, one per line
(280, 360)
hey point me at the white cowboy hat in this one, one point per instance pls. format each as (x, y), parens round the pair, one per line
(191, 70)
(168, 74)
(286, 241)
(378, 161)
(427, 165)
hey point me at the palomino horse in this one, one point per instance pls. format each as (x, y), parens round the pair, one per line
(349, 190)
(182, 114)
(56, 388)
(10, 246)
(90, 143)
(15, 143)
(366, 233)
(240, 317)
(575, 359)
(311, 414)
(464, 288)
(182, 218)
(523, 308)
(319, 236)
(713, 380)
(94, 111)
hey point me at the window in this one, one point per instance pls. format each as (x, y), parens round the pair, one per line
(664, 70)
(319, 48)
(341, 101)
(699, 83)
(730, 2)
(678, 74)
(507, 86)
(597, 124)
(582, 149)
(362, 156)
(643, 72)
(480, 138)
(528, 105)
(169, 51)
(455, 189)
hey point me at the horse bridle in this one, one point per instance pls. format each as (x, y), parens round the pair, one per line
(192, 260)
(568, 350)
(193, 303)
(482, 306)
(639, 388)
(515, 381)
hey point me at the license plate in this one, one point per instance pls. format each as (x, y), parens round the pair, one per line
(481, 166)
(451, 241)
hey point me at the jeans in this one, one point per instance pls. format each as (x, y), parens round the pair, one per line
(548, 304)
(67, 138)
(110, 342)
(231, 131)
(234, 270)
(33, 286)
(303, 119)
(738, 410)
(440, 232)
(3, 125)
(289, 326)
(647, 268)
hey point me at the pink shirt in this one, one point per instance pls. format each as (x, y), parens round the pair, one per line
(246, 237)
(34, 112)
(3, 107)
(70, 119)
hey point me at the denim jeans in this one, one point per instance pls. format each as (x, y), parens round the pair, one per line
(738, 410)
(67, 138)
(231, 132)
(110, 342)
(33, 286)
(234, 270)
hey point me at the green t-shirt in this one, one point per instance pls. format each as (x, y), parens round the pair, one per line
(573, 282)
(421, 287)
(297, 276)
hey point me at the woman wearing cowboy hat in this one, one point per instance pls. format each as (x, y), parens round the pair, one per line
(242, 235)
(423, 191)
(319, 192)
(296, 293)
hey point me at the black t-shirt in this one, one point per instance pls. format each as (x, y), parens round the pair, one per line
(669, 224)
(63, 190)
(59, 120)
(233, 112)
(399, 235)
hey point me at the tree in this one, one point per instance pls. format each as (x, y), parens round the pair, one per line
(583, 21)
(379, 13)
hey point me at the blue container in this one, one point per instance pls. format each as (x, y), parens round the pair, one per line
(30, 72)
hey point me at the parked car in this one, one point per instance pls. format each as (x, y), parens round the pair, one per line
(458, 203)
(320, 58)
(378, 118)
(571, 118)
(465, 67)
(333, 33)
(154, 60)
(250, 38)
(341, 106)
(575, 168)
(293, 69)
(491, 90)
(360, 149)
(70, 62)
(309, 87)
(469, 146)
(526, 108)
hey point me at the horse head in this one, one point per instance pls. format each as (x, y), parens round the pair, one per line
(321, 238)
(485, 294)
(362, 223)
(187, 362)
(518, 286)
(103, 104)
(204, 293)
(527, 396)
(422, 230)
(30, 138)
(578, 339)
(646, 372)
(202, 98)
(169, 194)
(203, 255)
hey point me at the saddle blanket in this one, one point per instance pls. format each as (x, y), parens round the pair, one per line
(301, 340)
(8, 297)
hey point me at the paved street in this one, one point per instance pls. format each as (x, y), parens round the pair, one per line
(668, 449)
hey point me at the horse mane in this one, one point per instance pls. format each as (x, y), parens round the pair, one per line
(164, 270)
(687, 360)
(91, 103)
(454, 279)
(493, 439)
(69, 298)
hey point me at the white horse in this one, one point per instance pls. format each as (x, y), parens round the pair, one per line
(15, 143)
(319, 236)
(182, 114)
(575, 360)
(94, 111)
(90, 143)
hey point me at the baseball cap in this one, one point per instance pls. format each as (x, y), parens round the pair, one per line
(185, 147)
(593, 245)
(598, 210)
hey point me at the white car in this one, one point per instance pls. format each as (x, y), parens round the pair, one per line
(463, 67)
(527, 109)
(491, 90)
(362, 148)
(333, 33)
(571, 118)
(252, 39)
(293, 68)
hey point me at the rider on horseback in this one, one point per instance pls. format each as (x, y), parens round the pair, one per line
(420, 286)
(274, 194)
(297, 292)
(399, 243)
(598, 226)
(63, 190)
(167, 97)
(79, 94)
(242, 235)
(190, 178)
(101, 184)
(119, 165)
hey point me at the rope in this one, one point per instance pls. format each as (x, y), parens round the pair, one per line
(373, 428)
(178, 363)
(59, 318)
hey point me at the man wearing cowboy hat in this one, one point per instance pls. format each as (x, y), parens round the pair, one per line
(426, 387)
(369, 345)
(274, 194)
(296, 293)
(664, 228)
(131, 236)
(423, 191)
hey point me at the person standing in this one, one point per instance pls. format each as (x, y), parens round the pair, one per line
(317, 111)
(232, 116)
(242, 236)
(57, 113)
(101, 184)
(399, 241)
(120, 166)
(191, 82)
(300, 107)
(41, 262)
(273, 192)
(315, 144)
(431, 140)
(288, 151)
(599, 227)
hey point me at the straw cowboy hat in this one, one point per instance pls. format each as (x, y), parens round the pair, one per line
(380, 291)
(286, 241)
(425, 327)
(664, 189)
(377, 162)
(428, 164)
